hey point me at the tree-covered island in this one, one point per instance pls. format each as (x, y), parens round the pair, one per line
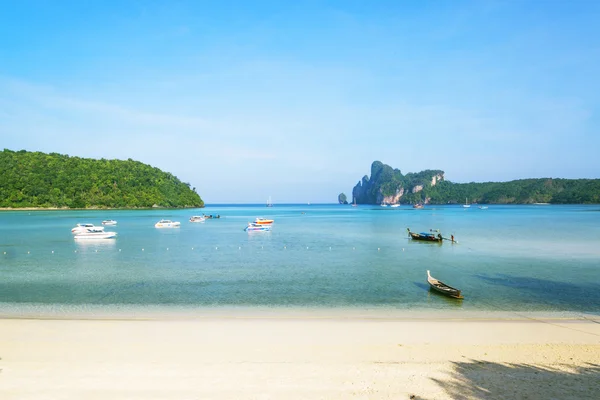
(39, 180)
(389, 186)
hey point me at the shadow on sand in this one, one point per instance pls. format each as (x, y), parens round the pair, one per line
(476, 379)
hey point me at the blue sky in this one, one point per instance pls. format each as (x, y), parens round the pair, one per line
(295, 100)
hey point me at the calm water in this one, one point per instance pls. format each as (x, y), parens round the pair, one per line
(508, 258)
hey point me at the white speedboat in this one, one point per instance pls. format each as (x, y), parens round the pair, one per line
(95, 233)
(197, 218)
(167, 223)
(254, 227)
(395, 205)
(79, 228)
(109, 222)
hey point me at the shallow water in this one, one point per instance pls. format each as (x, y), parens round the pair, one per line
(508, 258)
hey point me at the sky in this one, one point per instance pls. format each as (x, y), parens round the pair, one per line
(293, 100)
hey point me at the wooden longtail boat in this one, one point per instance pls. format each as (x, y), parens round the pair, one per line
(425, 236)
(441, 287)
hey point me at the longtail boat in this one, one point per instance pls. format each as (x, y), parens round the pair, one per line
(426, 236)
(442, 288)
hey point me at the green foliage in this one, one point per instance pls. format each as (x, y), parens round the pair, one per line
(386, 181)
(34, 179)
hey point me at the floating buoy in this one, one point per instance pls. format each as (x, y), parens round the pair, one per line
(239, 248)
(119, 249)
(378, 249)
(96, 250)
(52, 251)
(142, 249)
(167, 249)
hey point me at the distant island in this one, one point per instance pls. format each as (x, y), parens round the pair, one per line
(40, 180)
(387, 185)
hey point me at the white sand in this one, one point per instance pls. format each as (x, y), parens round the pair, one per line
(299, 356)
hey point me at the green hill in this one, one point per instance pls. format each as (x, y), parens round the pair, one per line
(35, 179)
(388, 185)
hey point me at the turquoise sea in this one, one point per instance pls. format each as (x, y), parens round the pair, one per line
(537, 258)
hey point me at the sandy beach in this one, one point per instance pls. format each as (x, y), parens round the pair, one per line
(299, 356)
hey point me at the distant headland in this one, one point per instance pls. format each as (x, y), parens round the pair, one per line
(389, 186)
(32, 180)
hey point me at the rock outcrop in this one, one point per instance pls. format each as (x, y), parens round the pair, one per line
(389, 186)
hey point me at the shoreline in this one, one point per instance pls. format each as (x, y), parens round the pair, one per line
(192, 313)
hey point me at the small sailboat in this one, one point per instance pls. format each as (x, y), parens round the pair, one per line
(442, 288)
(269, 204)
(466, 205)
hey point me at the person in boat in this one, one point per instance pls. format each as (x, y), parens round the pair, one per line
(440, 236)
(452, 238)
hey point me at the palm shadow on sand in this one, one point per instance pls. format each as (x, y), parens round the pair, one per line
(477, 379)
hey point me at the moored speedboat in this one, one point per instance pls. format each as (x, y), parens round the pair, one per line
(167, 223)
(79, 228)
(109, 222)
(95, 233)
(263, 221)
(197, 218)
(254, 227)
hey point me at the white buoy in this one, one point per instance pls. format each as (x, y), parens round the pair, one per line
(239, 248)
(96, 250)
(329, 248)
(306, 247)
(284, 247)
(119, 249)
(75, 251)
(378, 249)
(216, 248)
(142, 249)
(52, 251)
(167, 249)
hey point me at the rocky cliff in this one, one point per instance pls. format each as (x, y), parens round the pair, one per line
(389, 186)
